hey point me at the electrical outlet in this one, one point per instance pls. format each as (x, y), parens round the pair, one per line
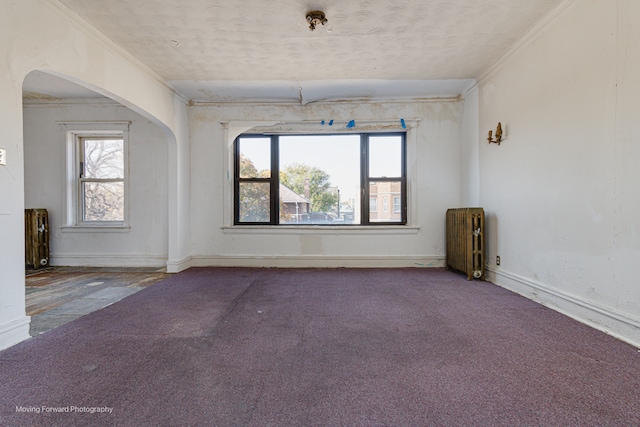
(3, 157)
(497, 260)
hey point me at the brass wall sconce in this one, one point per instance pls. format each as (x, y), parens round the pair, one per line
(498, 135)
(315, 18)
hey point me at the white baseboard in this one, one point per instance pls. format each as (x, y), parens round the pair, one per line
(108, 260)
(308, 261)
(301, 261)
(13, 332)
(604, 319)
(179, 265)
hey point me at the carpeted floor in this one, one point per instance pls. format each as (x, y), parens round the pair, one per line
(303, 347)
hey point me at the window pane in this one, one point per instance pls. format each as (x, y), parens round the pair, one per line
(322, 174)
(255, 157)
(385, 156)
(294, 208)
(103, 201)
(254, 202)
(373, 204)
(385, 190)
(103, 158)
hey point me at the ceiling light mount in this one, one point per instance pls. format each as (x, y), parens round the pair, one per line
(315, 18)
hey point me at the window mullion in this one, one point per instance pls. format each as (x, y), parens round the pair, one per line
(101, 179)
(403, 183)
(236, 182)
(364, 180)
(275, 180)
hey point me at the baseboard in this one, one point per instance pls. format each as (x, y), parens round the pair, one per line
(604, 319)
(179, 265)
(13, 332)
(108, 260)
(309, 261)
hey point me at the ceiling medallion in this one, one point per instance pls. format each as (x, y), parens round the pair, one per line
(315, 18)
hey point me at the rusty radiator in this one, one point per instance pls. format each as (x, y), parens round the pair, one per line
(36, 222)
(465, 241)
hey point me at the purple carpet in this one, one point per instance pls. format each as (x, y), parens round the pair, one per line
(304, 347)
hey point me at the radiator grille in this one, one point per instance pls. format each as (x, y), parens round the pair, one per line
(465, 241)
(36, 223)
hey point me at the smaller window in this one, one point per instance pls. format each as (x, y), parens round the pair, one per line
(387, 176)
(253, 183)
(101, 179)
(97, 174)
(373, 204)
(396, 204)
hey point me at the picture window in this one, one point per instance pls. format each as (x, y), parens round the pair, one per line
(320, 179)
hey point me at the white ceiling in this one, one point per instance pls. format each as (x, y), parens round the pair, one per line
(263, 50)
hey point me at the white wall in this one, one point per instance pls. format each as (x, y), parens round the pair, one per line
(45, 146)
(43, 35)
(434, 186)
(470, 149)
(561, 191)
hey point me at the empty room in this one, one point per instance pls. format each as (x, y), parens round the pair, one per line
(296, 212)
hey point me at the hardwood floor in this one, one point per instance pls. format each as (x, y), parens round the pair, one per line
(57, 295)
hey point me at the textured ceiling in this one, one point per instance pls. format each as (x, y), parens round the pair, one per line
(221, 50)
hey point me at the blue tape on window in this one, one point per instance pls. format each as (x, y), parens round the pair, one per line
(351, 124)
(322, 123)
(404, 125)
(331, 122)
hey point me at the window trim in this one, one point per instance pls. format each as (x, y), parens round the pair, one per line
(230, 129)
(83, 180)
(365, 180)
(74, 133)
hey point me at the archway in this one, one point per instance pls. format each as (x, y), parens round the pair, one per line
(57, 115)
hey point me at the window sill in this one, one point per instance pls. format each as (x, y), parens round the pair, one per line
(336, 230)
(95, 229)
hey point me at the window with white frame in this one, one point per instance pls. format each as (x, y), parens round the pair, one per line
(101, 179)
(97, 172)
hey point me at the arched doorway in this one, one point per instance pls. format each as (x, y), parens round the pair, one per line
(66, 127)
